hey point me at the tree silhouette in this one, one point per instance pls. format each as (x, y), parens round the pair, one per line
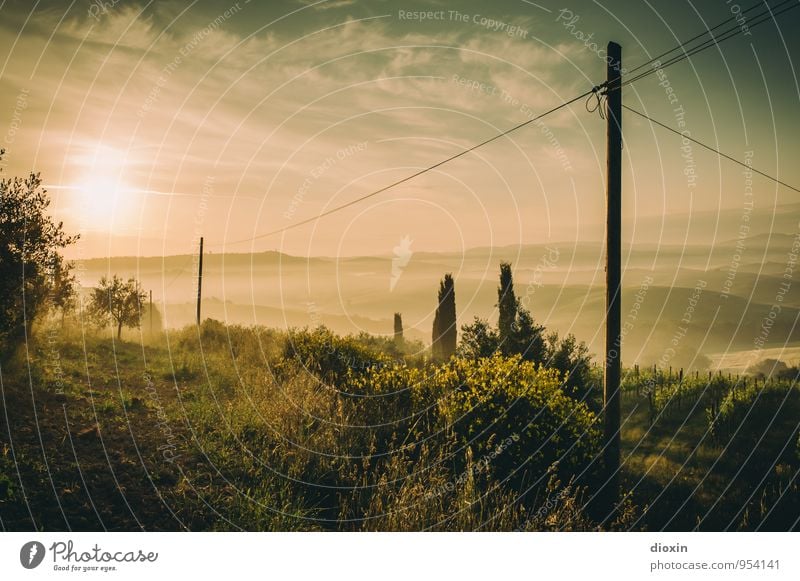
(436, 338)
(507, 306)
(478, 339)
(517, 333)
(516, 330)
(118, 302)
(445, 331)
(768, 368)
(63, 293)
(527, 338)
(398, 329)
(570, 357)
(30, 263)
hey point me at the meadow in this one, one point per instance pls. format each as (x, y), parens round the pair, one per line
(226, 427)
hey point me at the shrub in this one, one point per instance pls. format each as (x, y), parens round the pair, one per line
(332, 358)
(518, 416)
(753, 416)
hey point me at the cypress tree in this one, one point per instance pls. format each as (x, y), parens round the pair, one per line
(446, 315)
(436, 342)
(507, 306)
(398, 329)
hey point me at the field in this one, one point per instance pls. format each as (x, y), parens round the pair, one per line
(228, 428)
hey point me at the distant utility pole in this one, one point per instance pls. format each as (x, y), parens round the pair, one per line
(151, 312)
(200, 281)
(611, 394)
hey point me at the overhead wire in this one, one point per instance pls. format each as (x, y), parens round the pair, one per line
(702, 34)
(684, 135)
(421, 171)
(769, 13)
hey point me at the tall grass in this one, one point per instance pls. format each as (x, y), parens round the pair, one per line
(339, 434)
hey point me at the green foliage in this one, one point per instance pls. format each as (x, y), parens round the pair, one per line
(747, 413)
(496, 398)
(398, 329)
(571, 358)
(445, 329)
(331, 358)
(63, 290)
(478, 339)
(118, 303)
(410, 352)
(518, 334)
(384, 443)
(31, 266)
(772, 368)
(6, 478)
(730, 403)
(673, 397)
(238, 340)
(670, 396)
(411, 450)
(507, 307)
(527, 338)
(485, 443)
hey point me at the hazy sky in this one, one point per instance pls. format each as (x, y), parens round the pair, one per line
(153, 123)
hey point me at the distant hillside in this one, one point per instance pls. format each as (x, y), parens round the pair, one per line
(561, 283)
(714, 227)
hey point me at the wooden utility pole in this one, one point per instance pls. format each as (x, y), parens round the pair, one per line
(151, 312)
(200, 281)
(611, 395)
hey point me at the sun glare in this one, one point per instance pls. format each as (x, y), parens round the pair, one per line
(105, 196)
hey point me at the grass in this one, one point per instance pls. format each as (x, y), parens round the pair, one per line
(234, 428)
(686, 478)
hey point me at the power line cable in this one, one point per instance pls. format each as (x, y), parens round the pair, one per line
(768, 14)
(422, 171)
(709, 148)
(765, 16)
(706, 32)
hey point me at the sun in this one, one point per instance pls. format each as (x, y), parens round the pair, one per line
(103, 198)
(106, 199)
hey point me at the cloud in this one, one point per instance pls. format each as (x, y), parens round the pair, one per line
(328, 4)
(189, 94)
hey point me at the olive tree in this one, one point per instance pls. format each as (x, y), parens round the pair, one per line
(118, 303)
(32, 269)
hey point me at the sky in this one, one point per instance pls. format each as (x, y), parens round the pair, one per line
(155, 123)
